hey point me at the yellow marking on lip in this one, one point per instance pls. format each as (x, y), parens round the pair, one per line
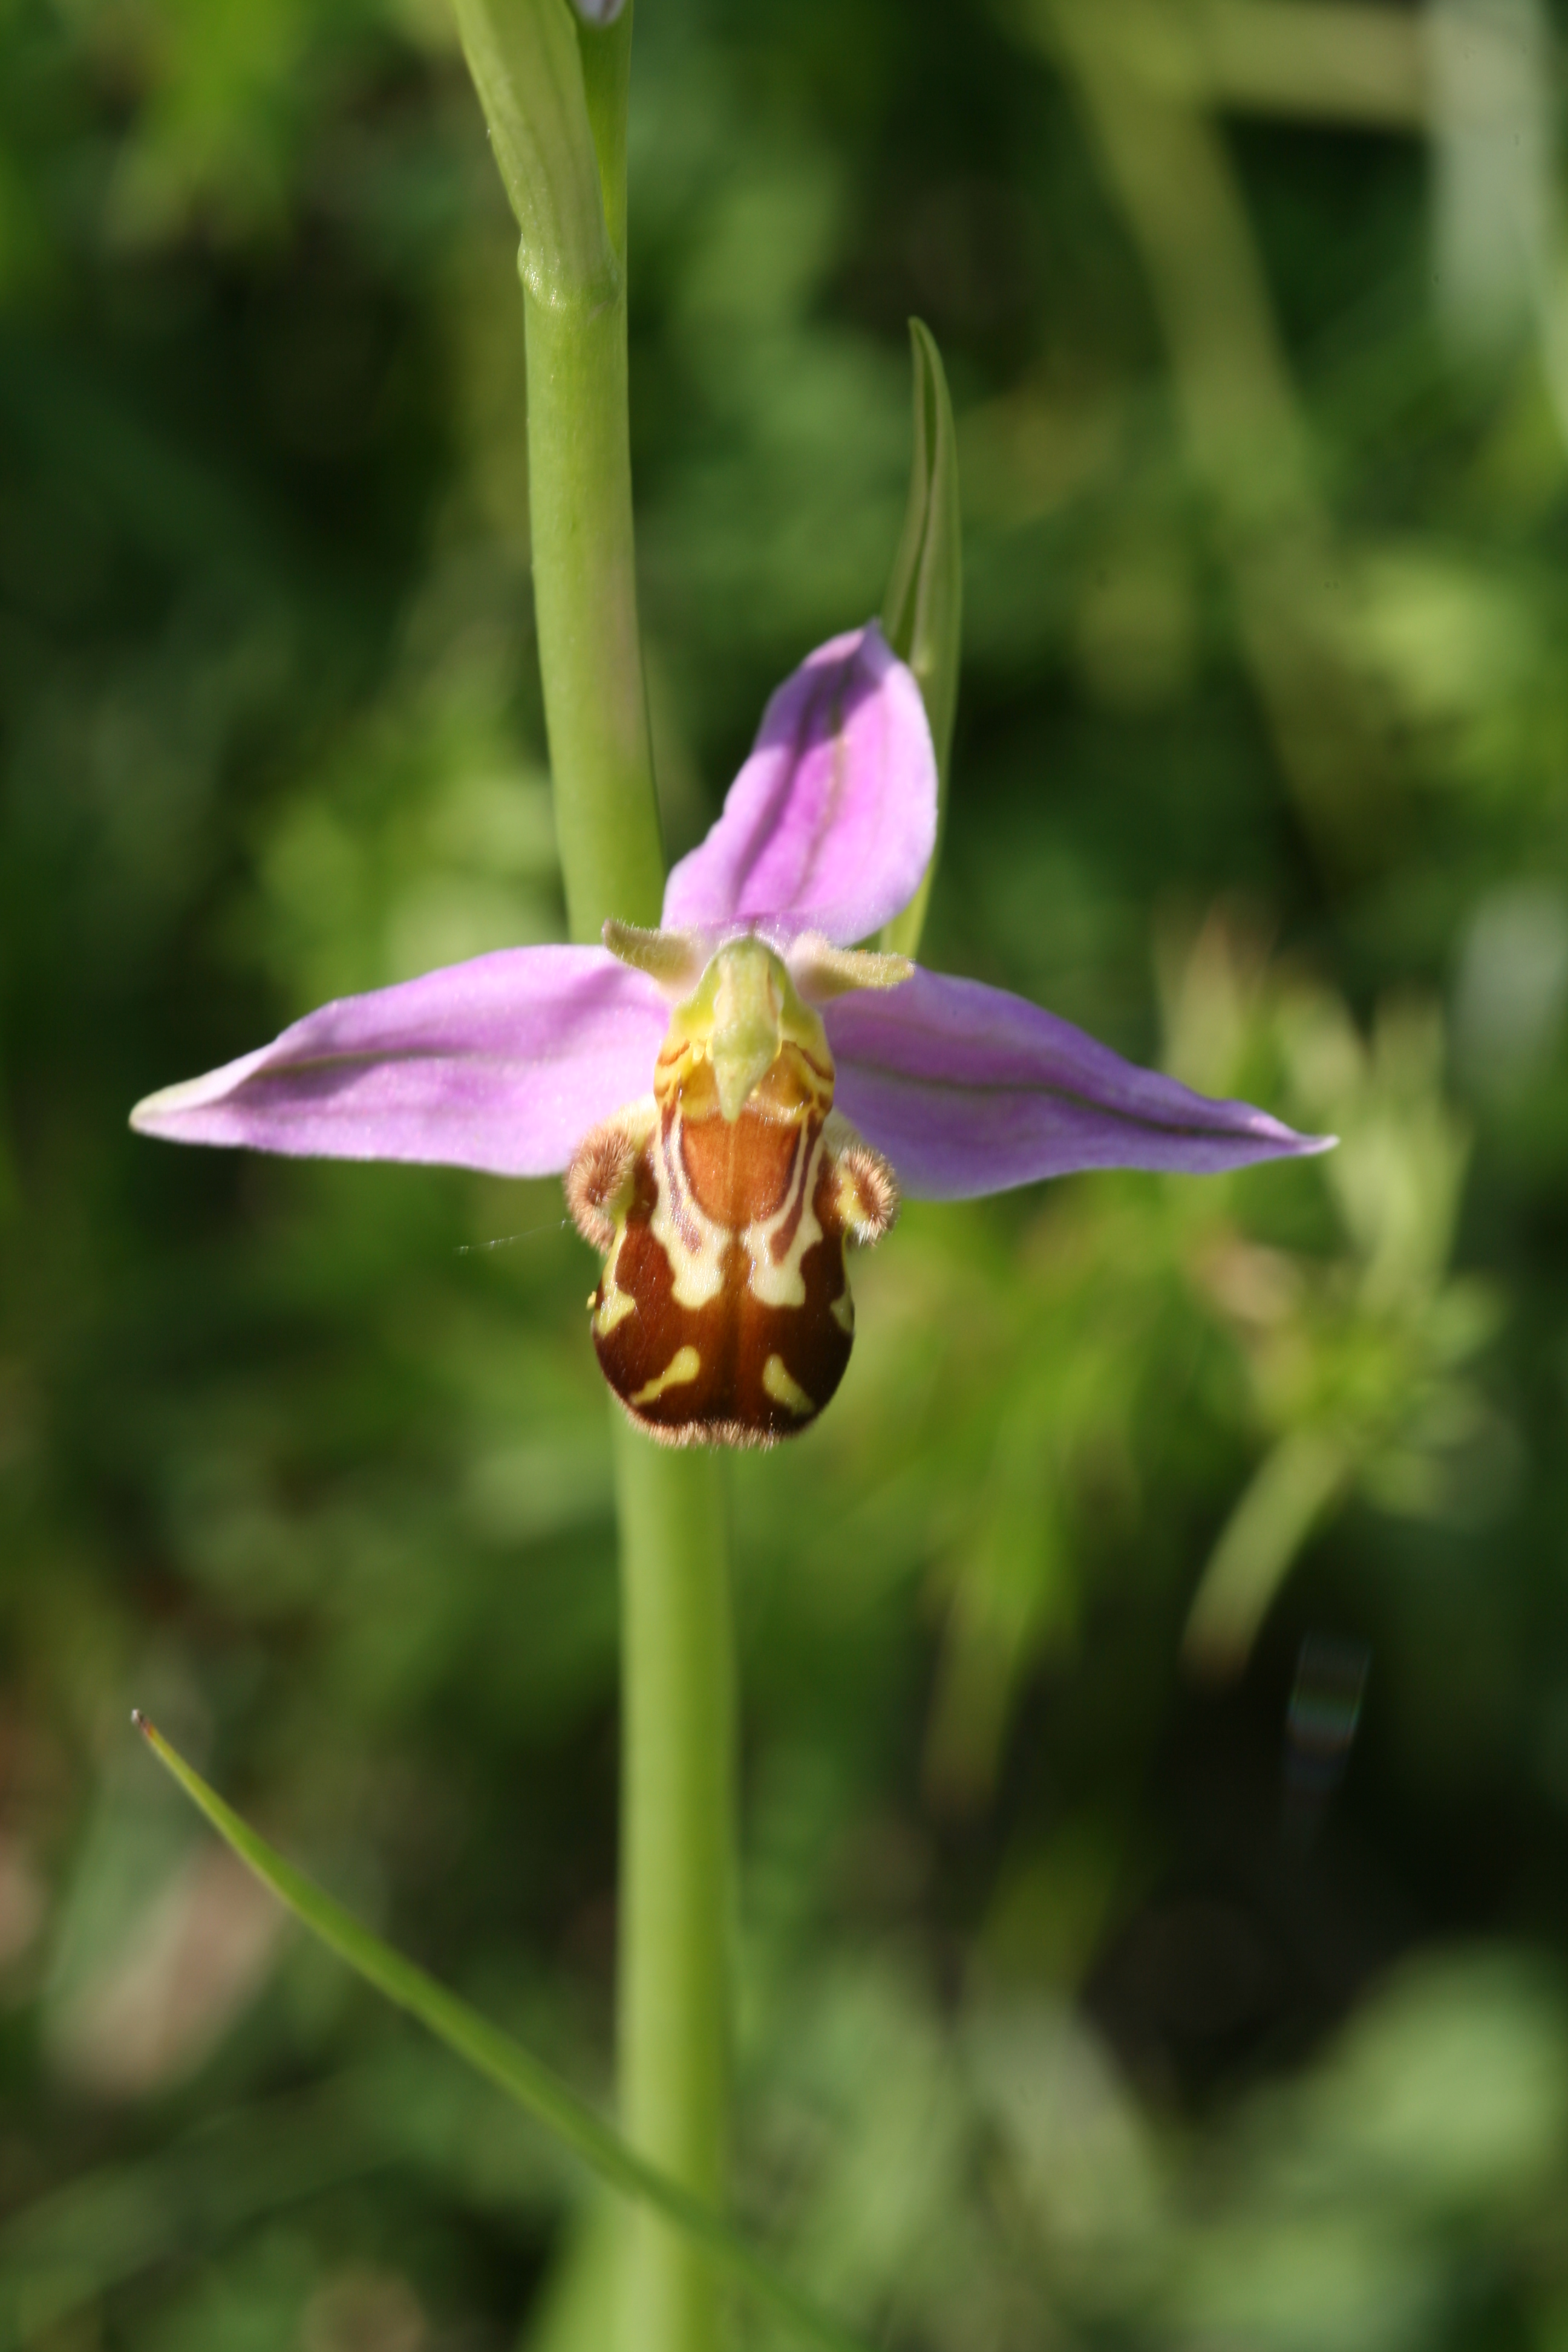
(785, 1390)
(683, 1365)
(843, 1312)
(779, 1282)
(618, 1304)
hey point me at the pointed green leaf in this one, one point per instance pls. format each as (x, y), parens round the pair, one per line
(605, 47)
(494, 2055)
(922, 613)
(527, 68)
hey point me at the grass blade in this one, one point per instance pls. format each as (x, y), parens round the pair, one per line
(495, 2055)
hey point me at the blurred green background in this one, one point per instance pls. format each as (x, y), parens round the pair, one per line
(1153, 1929)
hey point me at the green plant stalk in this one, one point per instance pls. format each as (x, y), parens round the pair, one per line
(584, 589)
(676, 1803)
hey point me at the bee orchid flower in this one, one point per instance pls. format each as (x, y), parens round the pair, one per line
(736, 1096)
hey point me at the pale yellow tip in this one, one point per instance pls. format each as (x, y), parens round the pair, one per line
(154, 1111)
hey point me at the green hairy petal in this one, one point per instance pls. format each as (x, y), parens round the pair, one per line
(675, 960)
(823, 971)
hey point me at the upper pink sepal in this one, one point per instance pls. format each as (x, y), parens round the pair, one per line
(502, 1063)
(831, 824)
(969, 1090)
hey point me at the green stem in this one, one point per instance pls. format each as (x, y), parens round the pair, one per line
(584, 589)
(676, 1803)
(676, 1825)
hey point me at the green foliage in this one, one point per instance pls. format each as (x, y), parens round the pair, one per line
(922, 610)
(493, 2055)
(528, 71)
(1082, 2000)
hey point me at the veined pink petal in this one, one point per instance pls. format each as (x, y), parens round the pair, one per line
(831, 823)
(968, 1089)
(501, 1064)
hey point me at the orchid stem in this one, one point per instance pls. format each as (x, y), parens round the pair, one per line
(677, 1732)
(585, 591)
(677, 1785)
